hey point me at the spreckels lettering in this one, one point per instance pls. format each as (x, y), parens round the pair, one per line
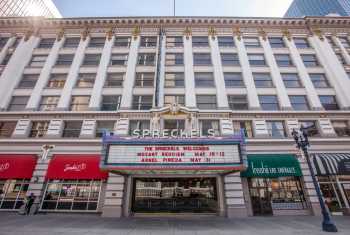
(74, 167)
(4, 166)
(166, 133)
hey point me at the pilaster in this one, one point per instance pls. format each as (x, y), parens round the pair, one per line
(55, 128)
(260, 128)
(190, 94)
(235, 203)
(343, 50)
(326, 127)
(122, 127)
(162, 72)
(113, 196)
(88, 129)
(4, 50)
(22, 129)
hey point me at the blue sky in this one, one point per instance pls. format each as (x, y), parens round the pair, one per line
(82, 8)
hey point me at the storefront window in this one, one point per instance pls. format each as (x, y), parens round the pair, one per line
(12, 193)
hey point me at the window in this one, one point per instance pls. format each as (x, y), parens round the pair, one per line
(71, 42)
(174, 99)
(245, 126)
(7, 128)
(37, 61)
(301, 43)
(329, 102)
(28, 81)
(206, 101)
(299, 102)
(331, 41)
(122, 41)
(291, 80)
(204, 79)
(174, 80)
(226, 41)
(48, 103)
(148, 42)
(262, 80)
(16, 42)
(6, 59)
(79, 103)
(269, 102)
(283, 60)
(3, 41)
(174, 59)
(119, 59)
(104, 127)
(92, 59)
(18, 103)
(144, 80)
(206, 125)
(229, 59)
(97, 42)
(256, 59)
(310, 126)
(85, 80)
(138, 125)
(342, 128)
(277, 42)
(13, 193)
(147, 59)
(142, 102)
(201, 59)
(200, 41)
(341, 58)
(310, 60)
(173, 124)
(110, 102)
(46, 42)
(251, 42)
(319, 80)
(72, 129)
(64, 59)
(57, 80)
(238, 102)
(39, 129)
(345, 42)
(114, 80)
(276, 129)
(233, 80)
(174, 41)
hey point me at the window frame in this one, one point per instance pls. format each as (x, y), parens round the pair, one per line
(206, 105)
(266, 105)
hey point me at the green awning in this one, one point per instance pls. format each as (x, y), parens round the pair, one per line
(272, 166)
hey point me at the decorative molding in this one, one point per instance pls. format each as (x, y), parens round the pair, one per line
(188, 32)
(238, 33)
(85, 33)
(136, 32)
(109, 34)
(317, 32)
(263, 34)
(60, 34)
(287, 34)
(212, 32)
(28, 34)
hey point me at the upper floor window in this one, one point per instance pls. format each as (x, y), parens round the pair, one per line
(174, 80)
(85, 80)
(6, 59)
(233, 80)
(238, 102)
(206, 101)
(174, 41)
(71, 42)
(28, 81)
(119, 59)
(48, 103)
(331, 41)
(92, 59)
(148, 41)
(201, 59)
(174, 124)
(122, 41)
(291, 80)
(342, 128)
(345, 42)
(277, 42)
(3, 41)
(276, 129)
(114, 80)
(110, 102)
(79, 103)
(64, 59)
(144, 79)
(299, 102)
(310, 127)
(262, 80)
(226, 41)
(174, 59)
(319, 80)
(104, 127)
(57, 80)
(341, 58)
(206, 125)
(329, 102)
(269, 102)
(97, 42)
(256, 59)
(200, 41)
(174, 99)
(229, 59)
(301, 43)
(251, 42)
(310, 60)
(283, 60)
(204, 79)
(147, 59)
(142, 102)
(18, 103)
(245, 126)
(7, 128)
(37, 61)
(46, 42)
(16, 42)
(138, 125)
(72, 129)
(39, 129)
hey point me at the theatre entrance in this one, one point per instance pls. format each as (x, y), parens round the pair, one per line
(174, 195)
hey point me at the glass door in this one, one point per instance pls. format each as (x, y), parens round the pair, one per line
(260, 195)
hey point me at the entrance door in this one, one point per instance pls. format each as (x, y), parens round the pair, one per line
(260, 196)
(175, 195)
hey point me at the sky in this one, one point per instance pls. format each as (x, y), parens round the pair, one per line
(107, 8)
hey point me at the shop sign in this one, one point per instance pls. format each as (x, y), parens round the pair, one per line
(262, 169)
(166, 133)
(74, 167)
(344, 167)
(4, 166)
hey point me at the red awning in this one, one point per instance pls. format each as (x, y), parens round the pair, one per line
(17, 166)
(75, 167)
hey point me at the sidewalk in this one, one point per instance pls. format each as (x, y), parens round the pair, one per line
(83, 224)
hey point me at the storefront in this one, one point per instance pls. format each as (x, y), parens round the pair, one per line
(275, 184)
(73, 183)
(333, 173)
(15, 174)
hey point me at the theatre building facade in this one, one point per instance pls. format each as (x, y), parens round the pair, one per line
(161, 115)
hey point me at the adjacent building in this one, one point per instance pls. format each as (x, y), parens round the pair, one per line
(15, 8)
(301, 8)
(122, 116)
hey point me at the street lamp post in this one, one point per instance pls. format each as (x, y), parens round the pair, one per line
(302, 141)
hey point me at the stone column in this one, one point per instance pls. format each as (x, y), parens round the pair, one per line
(55, 129)
(88, 129)
(34, 100)
(260, 128)
(190, 94)
(236, 207)
(4, 50)
(22, 129)
(343, 50)
(113, 196)
(64, 101)
(162, 72)
(96, 96)
(326, 127)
